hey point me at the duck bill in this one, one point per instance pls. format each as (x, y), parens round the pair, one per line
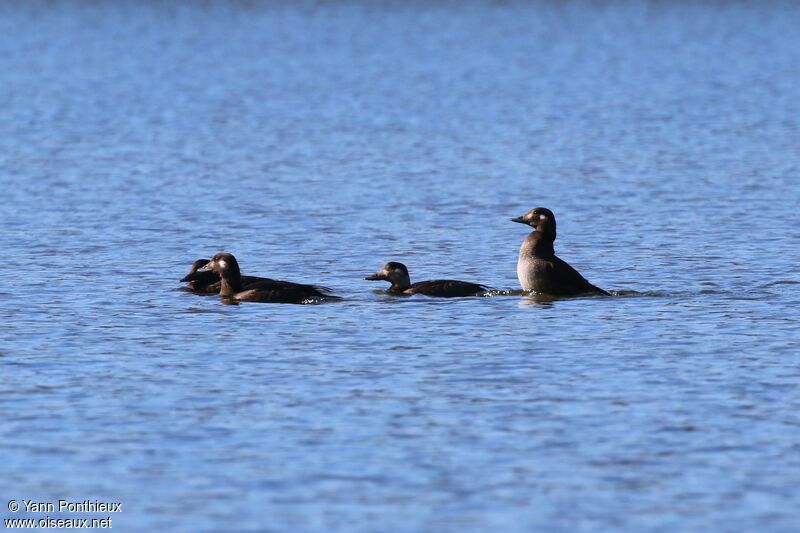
(519, 220)
(375, 277)
(208, 267)
(189, 277)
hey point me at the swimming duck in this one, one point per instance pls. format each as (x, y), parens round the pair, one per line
(263, 290)
(208, 281)
(397, 274)
(538, 268)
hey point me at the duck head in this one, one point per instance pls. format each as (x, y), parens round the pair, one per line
(197, 265)
(223, 264)
(393, 272)
(541, 220)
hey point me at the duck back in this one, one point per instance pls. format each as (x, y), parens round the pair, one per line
(446, 288)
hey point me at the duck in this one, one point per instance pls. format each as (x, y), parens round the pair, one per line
(207, 281)
(267, 290)
(397, 274)
(538, 268)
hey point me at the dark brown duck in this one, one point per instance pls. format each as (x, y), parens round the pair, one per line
(265, 290)
(208, 281)
(397, 274)
(538, 268)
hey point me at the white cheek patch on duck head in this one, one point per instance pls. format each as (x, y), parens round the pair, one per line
(542, 217)
(222, 264)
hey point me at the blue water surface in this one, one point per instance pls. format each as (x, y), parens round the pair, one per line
(317, 141)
